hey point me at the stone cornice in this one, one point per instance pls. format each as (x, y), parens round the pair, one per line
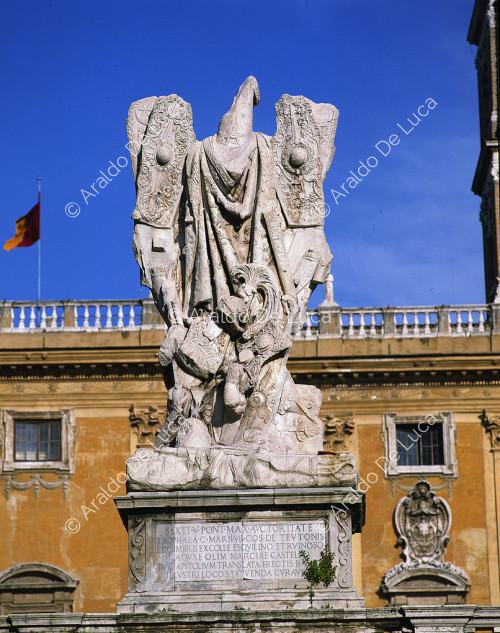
(140, 362)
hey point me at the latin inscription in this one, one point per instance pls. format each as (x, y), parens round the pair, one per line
(236, 551)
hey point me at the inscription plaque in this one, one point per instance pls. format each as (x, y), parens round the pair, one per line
(244, 551)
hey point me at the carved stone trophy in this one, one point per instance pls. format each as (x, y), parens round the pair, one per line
(229, 239)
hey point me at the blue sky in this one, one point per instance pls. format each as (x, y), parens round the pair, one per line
(408, 234)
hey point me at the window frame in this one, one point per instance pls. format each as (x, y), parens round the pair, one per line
(392, 469)
(64, 465)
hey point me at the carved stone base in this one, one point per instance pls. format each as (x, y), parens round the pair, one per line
(219, 468)
(223, 550)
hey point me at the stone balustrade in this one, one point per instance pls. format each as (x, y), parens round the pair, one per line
(57, 316)
(326, 320)
(401, 322)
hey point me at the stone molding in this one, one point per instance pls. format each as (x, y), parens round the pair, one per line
(145, 425)
(419, 619)
(337, 431)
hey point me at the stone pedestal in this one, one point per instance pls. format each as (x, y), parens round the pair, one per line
(219, 550)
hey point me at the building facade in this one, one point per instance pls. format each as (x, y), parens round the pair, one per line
(412, 392)
(421, 381)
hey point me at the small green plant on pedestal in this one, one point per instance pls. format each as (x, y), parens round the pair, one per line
(318, 572)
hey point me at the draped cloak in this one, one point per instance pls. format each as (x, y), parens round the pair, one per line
(216, 237)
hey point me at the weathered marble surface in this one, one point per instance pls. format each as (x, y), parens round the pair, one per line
(200, 550)
(226, 468)
(229, 238)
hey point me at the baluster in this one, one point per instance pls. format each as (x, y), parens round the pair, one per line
(43, 318)
(405, 324)
(373, 329)
(134, 311)
(416, 326)
(131, 315)
(32, 317)
(120, 315)
(361, 325)
(427, 321)
(86, 316)
(12, 317)
(109, 316)
(350, 329)
(22, 319)
(470, 324)
(481, 321)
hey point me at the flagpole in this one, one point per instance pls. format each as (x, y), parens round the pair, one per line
(39, 253)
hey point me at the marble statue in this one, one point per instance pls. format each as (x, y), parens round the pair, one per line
(229, 239)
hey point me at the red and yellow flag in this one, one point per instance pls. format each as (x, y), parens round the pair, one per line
(27, 229)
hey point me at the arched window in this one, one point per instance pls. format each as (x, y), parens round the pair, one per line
(36, 588)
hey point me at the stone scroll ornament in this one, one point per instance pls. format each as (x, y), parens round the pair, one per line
(229, 239)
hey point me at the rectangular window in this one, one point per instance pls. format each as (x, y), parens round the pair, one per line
(420, 445)
(37, 441)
